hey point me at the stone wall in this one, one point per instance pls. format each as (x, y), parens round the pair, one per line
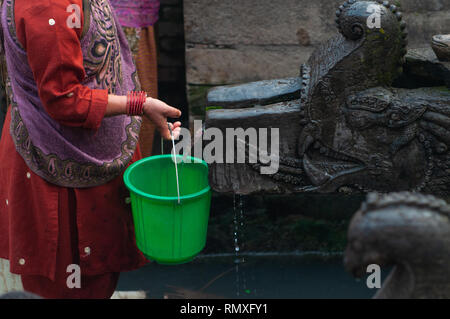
(235, 41)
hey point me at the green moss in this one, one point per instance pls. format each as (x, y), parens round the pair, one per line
(443, 89)
(214, 108)
(197, 98)
(378, 57)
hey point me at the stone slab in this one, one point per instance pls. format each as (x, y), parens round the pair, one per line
(255, 93)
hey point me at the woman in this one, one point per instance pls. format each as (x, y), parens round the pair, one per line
(70, 132)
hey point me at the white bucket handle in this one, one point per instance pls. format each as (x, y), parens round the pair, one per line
(174, 159)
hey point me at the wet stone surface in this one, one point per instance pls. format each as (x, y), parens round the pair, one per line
(255, 93)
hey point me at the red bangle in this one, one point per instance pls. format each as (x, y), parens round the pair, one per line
(135, 103)
(129, 101)
(143, 97)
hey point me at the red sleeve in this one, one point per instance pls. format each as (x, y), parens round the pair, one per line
(56, 59)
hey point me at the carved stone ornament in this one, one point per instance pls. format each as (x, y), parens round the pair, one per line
(362, 116)
(408, 231)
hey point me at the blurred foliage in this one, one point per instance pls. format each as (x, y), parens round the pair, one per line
(197, 99)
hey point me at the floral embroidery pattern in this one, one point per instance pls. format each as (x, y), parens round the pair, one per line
(103, 60)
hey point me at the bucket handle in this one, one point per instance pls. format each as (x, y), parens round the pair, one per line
(174, 159)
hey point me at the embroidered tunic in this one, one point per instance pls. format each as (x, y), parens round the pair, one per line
(56, 137)
(136, 13)
(55, 146)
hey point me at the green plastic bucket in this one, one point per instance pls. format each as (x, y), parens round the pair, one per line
(168, 232)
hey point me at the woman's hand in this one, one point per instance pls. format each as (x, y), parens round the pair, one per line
(158, 112)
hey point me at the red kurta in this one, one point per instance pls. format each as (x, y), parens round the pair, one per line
(96, 229)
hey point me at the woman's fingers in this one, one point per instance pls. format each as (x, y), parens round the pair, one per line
(158, 112)
(177, 124)
(172, 112)
(176, 133)
(176, 129)
(165, 132)
(163, 128)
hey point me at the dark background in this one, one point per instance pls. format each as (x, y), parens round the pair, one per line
(169, 33)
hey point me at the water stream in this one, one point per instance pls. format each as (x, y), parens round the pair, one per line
(238, 239)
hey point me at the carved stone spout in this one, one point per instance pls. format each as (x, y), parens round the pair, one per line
(441, 46)
(362, 116)
(409, 231)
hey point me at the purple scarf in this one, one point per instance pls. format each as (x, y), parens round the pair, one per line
(62, 155)
(136, 13)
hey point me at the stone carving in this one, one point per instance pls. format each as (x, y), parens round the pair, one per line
(362, 122)
(441, 46)
(408, 231)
